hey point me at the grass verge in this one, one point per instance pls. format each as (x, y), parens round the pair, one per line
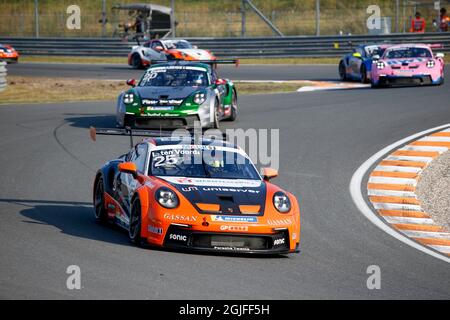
(123, 60)
(41, 90)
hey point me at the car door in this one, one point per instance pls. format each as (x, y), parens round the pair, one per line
(157, 55)
(126, 184)
(356, 61)
(221, 91)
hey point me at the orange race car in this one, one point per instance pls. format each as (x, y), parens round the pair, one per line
(142, 56)
(8, 54)
(195, 194)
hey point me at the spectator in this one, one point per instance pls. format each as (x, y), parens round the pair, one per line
(444, 20)
(418, 23)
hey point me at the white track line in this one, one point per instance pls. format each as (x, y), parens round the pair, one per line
(409, 220)
(396, 206)
(389, 180)
(397, 169)
(443, 249)
(424, 148)
(391, 193)
(356, 193)
(438, 139)
(409, 158)
(426, 234)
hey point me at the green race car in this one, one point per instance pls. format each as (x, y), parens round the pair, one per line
(175, 95)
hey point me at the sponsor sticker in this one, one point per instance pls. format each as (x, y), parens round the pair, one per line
(179, 217)
(234, 219)
(178, 237)
(278, 242)
(234, 228)
(155, 230)
(277, 222)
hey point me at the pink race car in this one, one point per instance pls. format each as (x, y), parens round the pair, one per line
(408, 64)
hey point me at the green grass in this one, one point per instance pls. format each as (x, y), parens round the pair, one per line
(43, 90)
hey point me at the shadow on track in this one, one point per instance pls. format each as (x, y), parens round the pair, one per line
(81, 120)
(77, 219)
(71, 218)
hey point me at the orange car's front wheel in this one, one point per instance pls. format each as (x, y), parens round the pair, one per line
(134, 229)
(101, 215)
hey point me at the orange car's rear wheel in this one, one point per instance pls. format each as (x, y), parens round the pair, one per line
(101, 216)
(134, 229)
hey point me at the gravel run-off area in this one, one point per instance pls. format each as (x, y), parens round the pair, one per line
(433, 190)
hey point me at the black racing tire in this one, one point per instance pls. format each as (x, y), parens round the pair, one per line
(363, 72)
(136, 61)
(134, 228)
(342, 73)
(234, 107)
(100, 213)
(216, 124)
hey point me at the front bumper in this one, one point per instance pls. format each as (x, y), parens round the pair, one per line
(236, 243)
(416, 80)
(152, 122)
(10, 60)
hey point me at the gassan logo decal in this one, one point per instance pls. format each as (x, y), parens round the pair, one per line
(234, 219)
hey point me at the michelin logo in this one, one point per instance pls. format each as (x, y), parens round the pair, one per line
(234, 219)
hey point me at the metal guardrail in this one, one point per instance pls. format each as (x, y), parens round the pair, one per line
(3, 82)
(298, 46)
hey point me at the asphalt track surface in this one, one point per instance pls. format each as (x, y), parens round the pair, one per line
(121, 72)
(48, 164)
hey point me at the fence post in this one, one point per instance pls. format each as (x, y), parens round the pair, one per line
(397, 9)
(3, 82)
(243, 18)
(36, 18)
(317, 17)
(172, 18)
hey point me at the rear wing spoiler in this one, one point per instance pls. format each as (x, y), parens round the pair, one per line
(213, 63)
(436, 46)
(128, 131)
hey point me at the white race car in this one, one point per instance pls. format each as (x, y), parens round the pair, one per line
(161, 49)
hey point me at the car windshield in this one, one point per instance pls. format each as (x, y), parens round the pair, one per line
(182, 44)
(374, 50)
(412, 52)
(175, 76)
(201, 162)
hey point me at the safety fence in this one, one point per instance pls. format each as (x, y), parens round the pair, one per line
(2, 76)
(257, 47)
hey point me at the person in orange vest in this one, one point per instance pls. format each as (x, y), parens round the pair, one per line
(418, 23)
(444, 20)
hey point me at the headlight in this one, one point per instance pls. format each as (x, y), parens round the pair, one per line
(167, 198)
(380, 65)
(281, 202)
(128, 98)
(431, 63)
(199, 98)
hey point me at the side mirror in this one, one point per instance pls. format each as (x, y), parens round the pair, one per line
(269, 173)
(159, 48)
(194, 47)
(131, 82)
(356, 55)
(220, 82)
(128, 167)
(376, 57)
(440, 55)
